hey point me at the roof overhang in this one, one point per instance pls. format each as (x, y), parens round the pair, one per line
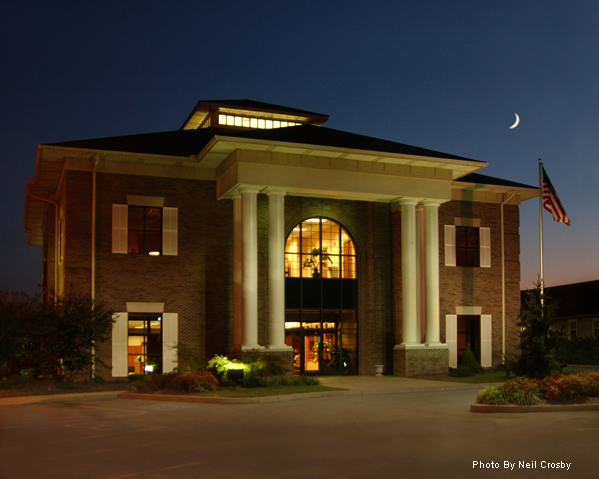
(221, 147)
(492, 193)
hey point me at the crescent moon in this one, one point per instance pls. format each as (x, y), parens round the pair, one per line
(517, 121)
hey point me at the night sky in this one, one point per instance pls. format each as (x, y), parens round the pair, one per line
(447, 76)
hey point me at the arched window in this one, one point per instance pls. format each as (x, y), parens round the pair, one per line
(321, 297)
(319, 247)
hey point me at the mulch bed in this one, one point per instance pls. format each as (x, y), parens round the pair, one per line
(43, 387)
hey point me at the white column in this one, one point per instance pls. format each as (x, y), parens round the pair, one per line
(249, 267)
(276, 268)
(409, 276)
(420, 291)
(431, 270)
(237, 300)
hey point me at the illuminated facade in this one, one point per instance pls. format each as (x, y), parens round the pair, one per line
(254, 228)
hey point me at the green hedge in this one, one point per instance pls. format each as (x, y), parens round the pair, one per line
(579, 351)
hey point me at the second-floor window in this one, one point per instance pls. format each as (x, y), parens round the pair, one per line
(467, 246)
(145, 230)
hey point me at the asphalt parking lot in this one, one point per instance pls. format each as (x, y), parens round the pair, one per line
(420, 435)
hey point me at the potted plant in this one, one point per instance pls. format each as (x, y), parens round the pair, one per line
(317, 255)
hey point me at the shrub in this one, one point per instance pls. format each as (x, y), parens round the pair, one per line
(469, 366)
(525, 398)
(494, 395)
(136, 377)
(203, 381)
(561, 387)
(578, 351)
(162, 381)
(292, 381)
(538, 341)
(522, 383)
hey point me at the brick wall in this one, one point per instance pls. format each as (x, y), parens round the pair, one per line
(473, 286)
(196, 284)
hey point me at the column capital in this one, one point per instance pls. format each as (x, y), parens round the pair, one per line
(407, 201)
(274, 190)
(248, 189)
(431, 202)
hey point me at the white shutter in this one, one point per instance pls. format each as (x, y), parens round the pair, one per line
(170, 332)
(170, 219)
(119, 345)
(119, 228)
(450, 245)
(451, 338)
(485, 247)
(486, 350)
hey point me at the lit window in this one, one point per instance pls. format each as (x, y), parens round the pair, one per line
(222, 119)
(261, 124)
(246, 122)
(318, 247)
(145, 230)
(144, 343)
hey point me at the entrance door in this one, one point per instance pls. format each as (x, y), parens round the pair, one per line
(469, 335)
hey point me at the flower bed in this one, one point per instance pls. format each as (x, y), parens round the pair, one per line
(525, 391)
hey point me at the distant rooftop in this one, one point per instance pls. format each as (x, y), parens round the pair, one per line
(574, 300)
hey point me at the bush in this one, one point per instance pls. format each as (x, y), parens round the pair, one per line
(469, 366)
(578, 351)
(561, 387)
(494, 395)
(189, 382)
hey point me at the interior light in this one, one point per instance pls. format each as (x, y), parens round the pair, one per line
(159, 318)
(154, 253)
(149, 368)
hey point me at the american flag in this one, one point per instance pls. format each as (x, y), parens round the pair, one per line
(552, 203)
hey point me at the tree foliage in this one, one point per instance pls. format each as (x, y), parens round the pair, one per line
(74, 324)
(51, 337)
(538, 341)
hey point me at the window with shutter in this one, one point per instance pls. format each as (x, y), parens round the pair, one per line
(467, 246)
(144, 230)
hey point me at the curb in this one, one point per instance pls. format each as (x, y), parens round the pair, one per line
(512, 408)
(287, 397)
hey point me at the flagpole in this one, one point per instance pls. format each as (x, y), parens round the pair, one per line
(541, 224)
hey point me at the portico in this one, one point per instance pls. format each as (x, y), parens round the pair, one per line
(245, 173)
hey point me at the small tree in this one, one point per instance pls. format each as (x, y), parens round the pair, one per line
(74, 324)
(18, 345)
(538, 342)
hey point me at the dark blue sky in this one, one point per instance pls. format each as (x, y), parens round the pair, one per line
(448, 76)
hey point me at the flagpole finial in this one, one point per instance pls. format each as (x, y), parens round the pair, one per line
(539, 160)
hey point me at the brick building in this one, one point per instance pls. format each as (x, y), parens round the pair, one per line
(255, 228)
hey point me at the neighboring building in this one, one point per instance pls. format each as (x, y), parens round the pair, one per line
(253, 228)
(577, 310)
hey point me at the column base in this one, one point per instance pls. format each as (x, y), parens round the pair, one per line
(420, 359)
(278, 347)
(251, 347)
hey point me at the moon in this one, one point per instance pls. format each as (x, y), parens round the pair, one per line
(517, 121)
